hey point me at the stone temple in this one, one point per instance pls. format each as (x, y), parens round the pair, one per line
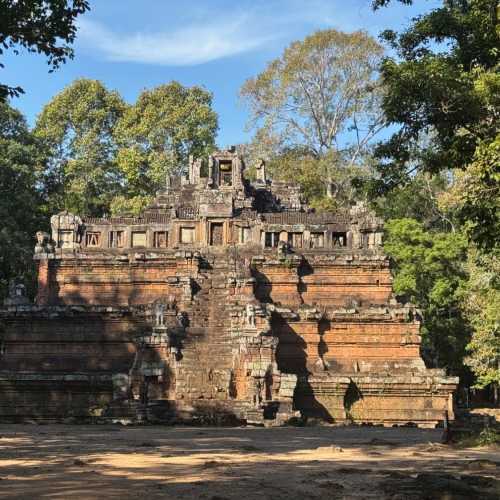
(225, 300)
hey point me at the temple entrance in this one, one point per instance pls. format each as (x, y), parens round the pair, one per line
(216, 234)
(226, 173)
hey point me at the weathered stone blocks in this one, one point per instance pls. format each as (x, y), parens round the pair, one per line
(224, 301)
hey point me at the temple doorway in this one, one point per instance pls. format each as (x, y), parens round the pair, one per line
(216, 234)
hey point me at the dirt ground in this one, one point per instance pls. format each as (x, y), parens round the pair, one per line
(88, 462)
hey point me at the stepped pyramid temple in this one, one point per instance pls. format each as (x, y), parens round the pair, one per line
(224, 301)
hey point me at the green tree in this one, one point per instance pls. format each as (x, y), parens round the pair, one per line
(432, 86)
(311, 174)
(322, 91)
(156, 136)
(429, 272)
(482, 308)
(444, 84)
(475, 191)
(43, 26)
(420, 199)
(475, 197)
(76, 129)
(316, 110)
(19, 199)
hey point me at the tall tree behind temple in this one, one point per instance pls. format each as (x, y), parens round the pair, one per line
(317, 106)
(429, 272)
(318, 89)
(482, 307)
(43, 26)
(76, 130)
(157, 134)
(444, 81)
(19, 199)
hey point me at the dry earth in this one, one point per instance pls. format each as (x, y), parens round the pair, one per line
(87, 462)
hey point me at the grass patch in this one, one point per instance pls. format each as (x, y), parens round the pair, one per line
(487, 437)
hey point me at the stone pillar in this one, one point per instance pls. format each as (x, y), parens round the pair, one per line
(237, 173)
(261, 172)
(43, 293)
(211, 168)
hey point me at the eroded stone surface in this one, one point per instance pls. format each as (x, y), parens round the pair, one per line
(224, 301)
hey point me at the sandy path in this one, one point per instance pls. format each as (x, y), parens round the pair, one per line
(84, 462)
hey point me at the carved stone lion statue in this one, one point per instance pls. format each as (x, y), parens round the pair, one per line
(43, 243)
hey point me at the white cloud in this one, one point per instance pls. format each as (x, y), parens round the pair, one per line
(197, 33)
(187, 46)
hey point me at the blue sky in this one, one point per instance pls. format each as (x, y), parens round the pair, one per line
(131, 45)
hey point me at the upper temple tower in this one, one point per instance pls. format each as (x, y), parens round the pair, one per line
(224, 170)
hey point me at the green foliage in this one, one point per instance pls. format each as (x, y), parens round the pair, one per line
(76, 130)
(314, 174)
(482, 308)
(104, 156)
(429, 272)
(158, 133)
(419, 199)
(432, 87)
(475, 197)
(19, 200)
(43, 26)
(124, 205)
(320, 88)
(488, 437)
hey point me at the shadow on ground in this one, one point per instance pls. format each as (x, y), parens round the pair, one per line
(80, 462)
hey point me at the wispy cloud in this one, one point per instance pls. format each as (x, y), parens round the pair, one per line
(186, 46)
(200, 32)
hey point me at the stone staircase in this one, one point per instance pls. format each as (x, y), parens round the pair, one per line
(207, 351)
(204, 369)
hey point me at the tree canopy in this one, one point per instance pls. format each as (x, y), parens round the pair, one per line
(76, 129)
(44, 26)
(429, 273)
(20, 202)
(158, 133)
(482, 306)
(320, 89)
(440, 83)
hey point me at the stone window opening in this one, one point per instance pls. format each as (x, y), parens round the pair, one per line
(216, 233)
(93, 239)
(317, 240)
(226, 173)
(116, 239)
(160, 239)
(138, 239)
(295, 240)
(187, 235)
(271, 239)
(364, 240)
(243, 234)
(339, 239)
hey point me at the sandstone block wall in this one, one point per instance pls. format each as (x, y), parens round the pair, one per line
(222, 299)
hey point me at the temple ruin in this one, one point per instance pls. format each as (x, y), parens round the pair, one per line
(225, 300)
